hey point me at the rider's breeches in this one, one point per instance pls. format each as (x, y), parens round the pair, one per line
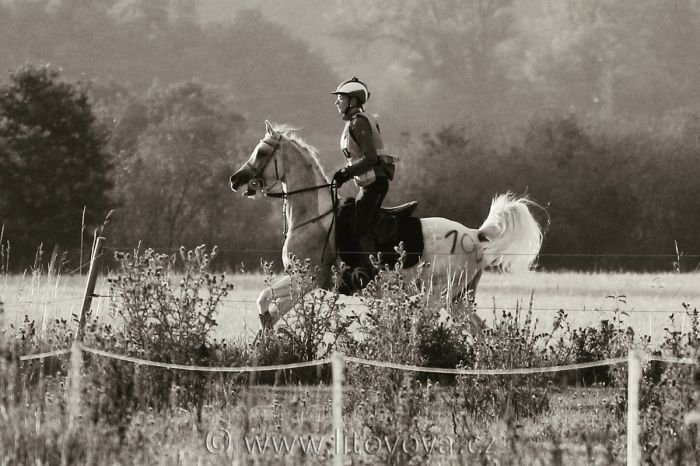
(367, 205)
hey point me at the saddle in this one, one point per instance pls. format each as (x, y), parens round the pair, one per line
(392, 226)
(406, 209)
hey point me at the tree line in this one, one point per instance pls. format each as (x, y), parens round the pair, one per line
(136, 44)
(71, 152)
(491, 63)
(589, 107)
(486, 64)
(620, 196)
(157, 178)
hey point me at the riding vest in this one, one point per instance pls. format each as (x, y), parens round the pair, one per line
(384, 165)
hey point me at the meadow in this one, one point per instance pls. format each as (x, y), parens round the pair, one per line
(130, 415)
(648, 299)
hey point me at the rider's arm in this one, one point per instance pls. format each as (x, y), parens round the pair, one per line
(361, 132)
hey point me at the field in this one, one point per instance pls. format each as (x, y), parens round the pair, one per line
(649, 299)
(390, 416)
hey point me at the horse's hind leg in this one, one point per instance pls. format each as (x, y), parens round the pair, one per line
(277, 296)
(476, 322)
(467, 295)
(461, 293)
(471, 290)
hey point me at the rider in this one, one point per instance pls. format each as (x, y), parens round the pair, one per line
(366, 160)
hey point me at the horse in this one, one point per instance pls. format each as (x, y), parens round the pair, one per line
(283, 165)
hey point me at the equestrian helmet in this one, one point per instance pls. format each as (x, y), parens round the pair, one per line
(353, 87)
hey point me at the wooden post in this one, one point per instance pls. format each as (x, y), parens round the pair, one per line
(338, 369)
(72, 396)
(90, 288)
(2, 328)
(74, 382)
(3, 357)
(634, 378)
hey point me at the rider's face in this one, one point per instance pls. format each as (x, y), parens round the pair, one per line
(342, 102)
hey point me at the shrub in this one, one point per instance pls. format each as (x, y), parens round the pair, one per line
(311, 330)
(508, 343)
(163, 323)
(669, 392)
(316, 322)
(391, 328)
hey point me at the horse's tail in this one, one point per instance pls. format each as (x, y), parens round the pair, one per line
(514, 235)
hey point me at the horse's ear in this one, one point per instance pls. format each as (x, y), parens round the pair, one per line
(268, 128)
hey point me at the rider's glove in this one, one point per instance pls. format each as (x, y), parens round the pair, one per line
(340, 177)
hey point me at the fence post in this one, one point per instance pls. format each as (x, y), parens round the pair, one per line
(634, 378)
(72, 395)
(74, 382)
(2, 329)
(338, 369)
(90, 288)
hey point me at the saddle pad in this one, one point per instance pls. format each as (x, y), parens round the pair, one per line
(389, 232)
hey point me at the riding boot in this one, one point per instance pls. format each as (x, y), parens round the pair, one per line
(367, 246)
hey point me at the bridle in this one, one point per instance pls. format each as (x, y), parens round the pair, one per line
(258, 184)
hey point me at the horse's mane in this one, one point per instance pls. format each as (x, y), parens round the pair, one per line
(290, 133)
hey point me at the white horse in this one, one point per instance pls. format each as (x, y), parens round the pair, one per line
(283, 165)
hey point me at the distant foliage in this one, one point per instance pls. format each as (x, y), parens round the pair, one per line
(175, 148)
(622, 189)
(139, 43)
(53, 162)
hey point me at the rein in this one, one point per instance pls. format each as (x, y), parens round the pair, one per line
(285, 195)
(275, 144)
(333, 210)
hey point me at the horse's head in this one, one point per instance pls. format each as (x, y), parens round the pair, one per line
(263, 170)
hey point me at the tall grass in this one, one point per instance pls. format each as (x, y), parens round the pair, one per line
(165, 308)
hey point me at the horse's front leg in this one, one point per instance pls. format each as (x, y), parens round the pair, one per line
(274, 302)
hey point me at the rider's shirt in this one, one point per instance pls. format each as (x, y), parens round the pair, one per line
(362, 145)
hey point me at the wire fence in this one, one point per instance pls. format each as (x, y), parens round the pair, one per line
(249, 302)
(255, 255)
(253, 303)
(338, 361)
(545, 254)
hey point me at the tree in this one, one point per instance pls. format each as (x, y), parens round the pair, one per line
(141, 42)
(177, 148)
(456, 51)
(617, 57)
(452, 175)
(53, 161)
(277, 78)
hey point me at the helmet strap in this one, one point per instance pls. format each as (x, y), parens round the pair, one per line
(350, 107)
